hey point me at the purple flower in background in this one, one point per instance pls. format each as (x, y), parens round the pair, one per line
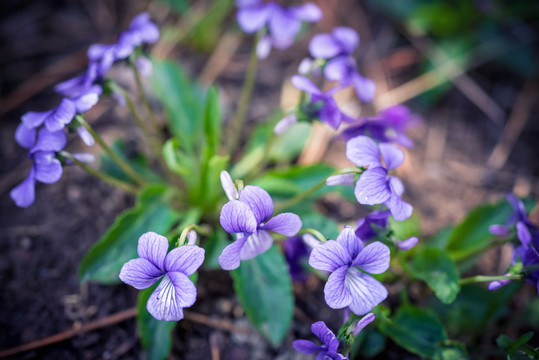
(250, 218)
(348, 261)
(141, 30)
(176, 291)
(518, 215)
(328, 110)
(375, 186)
(527, 252)
(46, 167)
(297, 252)
(283, 23)
(328, 349)
(78, 85)
(368, 227)
(389, 126)
(337, 47)
(54, 119)
(364, 321)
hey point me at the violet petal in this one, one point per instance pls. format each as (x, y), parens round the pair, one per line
(24, 194)
(336, 294)
(286, 223)
(259, 201)
(230, 257)
(25, 136)
(153, 247)
(374, 258)
(366, 291)
(164, 303)
(372, 187)
(185, 259)
(392, 155)
(324, 46)
(363, 151)
(347, 238)
(237, 217)
(140, 273)
(256, 244)
(329, 256)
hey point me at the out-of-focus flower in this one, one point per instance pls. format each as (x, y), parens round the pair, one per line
(283, 23)
(389, 126)
(46, 167)
(337, 47)
(54, 119)
(176, 291)
(327, 109)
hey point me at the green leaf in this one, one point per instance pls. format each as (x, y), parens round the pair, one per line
(438, 270)
(214, 245)
(474, 308)
(296, 179)
(182, 99)
(264, 288)
(369, 343)
(407, 228)
(452, 350)
(105, 258)
(415, 329)
(207, 31)
(136, 160)
(155, 335)
(212, 190)
(212, 121)
(327, 226)
(176, 160)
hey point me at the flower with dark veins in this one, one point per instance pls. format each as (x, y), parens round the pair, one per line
(176, 291)
(349, 261)
(249, 215)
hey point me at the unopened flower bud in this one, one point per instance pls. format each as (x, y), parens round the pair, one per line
(408, 243)
(285, 123)
(341, 179)
(228, 186)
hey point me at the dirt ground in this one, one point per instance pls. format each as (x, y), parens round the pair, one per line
(446, 174)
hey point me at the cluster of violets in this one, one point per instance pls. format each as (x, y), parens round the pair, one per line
(349, 260)
(43, 132)
(527, 251)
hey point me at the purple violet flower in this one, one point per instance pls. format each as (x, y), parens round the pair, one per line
(297, 253)
(368, 227)
(328, 349)
(518, 215)
(141, 30)
(329, 111)
(375, 186)
(527, 252)
(338, 47)
(176, 291)
(46, 167)
(349, 261)
(54, 119)
(251, 219)
(283, 23)
(389, 126)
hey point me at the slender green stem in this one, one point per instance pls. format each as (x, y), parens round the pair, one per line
(257, 168)
(313, 232)
(459, 257)
(201, 229)
(100, 175)
(118, 160)
(144, 97)
(155, 142)
(304, 195)
(483, 278)
(238, 121)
